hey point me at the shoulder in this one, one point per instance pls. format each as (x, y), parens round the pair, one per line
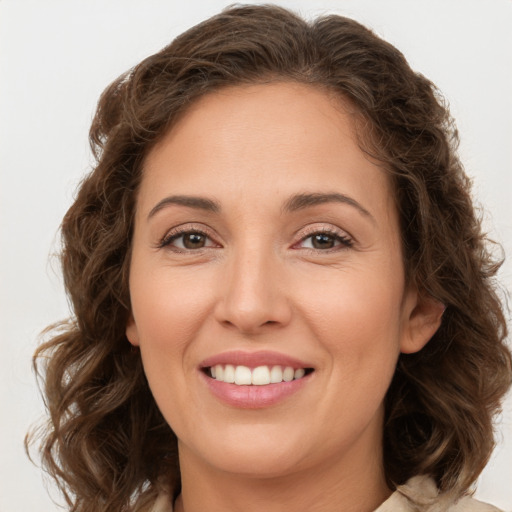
(420, 494)
(162, 504)
(468, 504)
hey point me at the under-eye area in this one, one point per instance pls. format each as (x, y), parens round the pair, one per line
(260, 376)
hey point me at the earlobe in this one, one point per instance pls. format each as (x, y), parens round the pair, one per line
(424, 319)
(131, 331)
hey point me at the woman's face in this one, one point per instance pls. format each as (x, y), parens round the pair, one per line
(265, 238)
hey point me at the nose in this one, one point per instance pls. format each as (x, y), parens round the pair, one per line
(253, 296)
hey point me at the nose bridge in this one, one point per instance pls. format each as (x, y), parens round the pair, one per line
(253, 295)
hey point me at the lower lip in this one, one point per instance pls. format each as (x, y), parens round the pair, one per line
(254, 397)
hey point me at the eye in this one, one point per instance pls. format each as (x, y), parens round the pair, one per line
(325, 240)
(187, 240)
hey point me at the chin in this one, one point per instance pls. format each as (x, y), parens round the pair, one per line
(254, 451)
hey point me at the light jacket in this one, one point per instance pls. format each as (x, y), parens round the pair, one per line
(419, 494)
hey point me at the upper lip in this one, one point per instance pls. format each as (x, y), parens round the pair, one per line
(254, 359)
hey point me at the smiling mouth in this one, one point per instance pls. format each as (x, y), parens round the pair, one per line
(259, 376)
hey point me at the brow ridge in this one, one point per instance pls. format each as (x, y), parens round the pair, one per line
(201, 203)
(307, 200)
(294, 203)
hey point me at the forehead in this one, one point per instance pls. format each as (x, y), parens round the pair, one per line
(252, 138)
(260, 112)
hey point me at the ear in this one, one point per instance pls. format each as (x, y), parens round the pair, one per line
(132, 333)
(422, 318)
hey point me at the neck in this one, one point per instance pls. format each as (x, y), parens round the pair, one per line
(352, 483)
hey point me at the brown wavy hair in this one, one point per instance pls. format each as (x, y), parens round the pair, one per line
(106, 443)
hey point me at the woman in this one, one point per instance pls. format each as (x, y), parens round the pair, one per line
(283, 296)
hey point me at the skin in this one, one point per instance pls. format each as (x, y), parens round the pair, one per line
(259, 283)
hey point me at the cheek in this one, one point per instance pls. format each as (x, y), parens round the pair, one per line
(354, 302)
(357, 319)
(167, 307)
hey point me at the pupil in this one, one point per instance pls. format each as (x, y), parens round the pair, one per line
(323, 241)
(193, 241)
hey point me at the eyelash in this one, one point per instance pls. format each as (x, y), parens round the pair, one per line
(344, 240)
(177, 233)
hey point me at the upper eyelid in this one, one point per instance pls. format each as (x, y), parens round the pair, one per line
(177, 231)
(344, 240)
(344, 237)
(189, 227)
(312, 229)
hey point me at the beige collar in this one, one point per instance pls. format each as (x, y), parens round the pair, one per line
(419, 494)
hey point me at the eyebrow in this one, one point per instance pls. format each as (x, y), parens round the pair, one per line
(200, 203)
(294, 203)
(302, 201)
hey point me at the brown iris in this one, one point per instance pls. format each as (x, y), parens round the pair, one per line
(194, 240)
(323, 241)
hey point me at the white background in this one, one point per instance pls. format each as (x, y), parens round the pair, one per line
(55, 59)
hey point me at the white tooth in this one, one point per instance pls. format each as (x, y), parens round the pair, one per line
(242, 376)
(261, 376)
(212, 371)
(299, 373)
(219, 372)
(229, 373)
(276, 375)
(288, 374)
